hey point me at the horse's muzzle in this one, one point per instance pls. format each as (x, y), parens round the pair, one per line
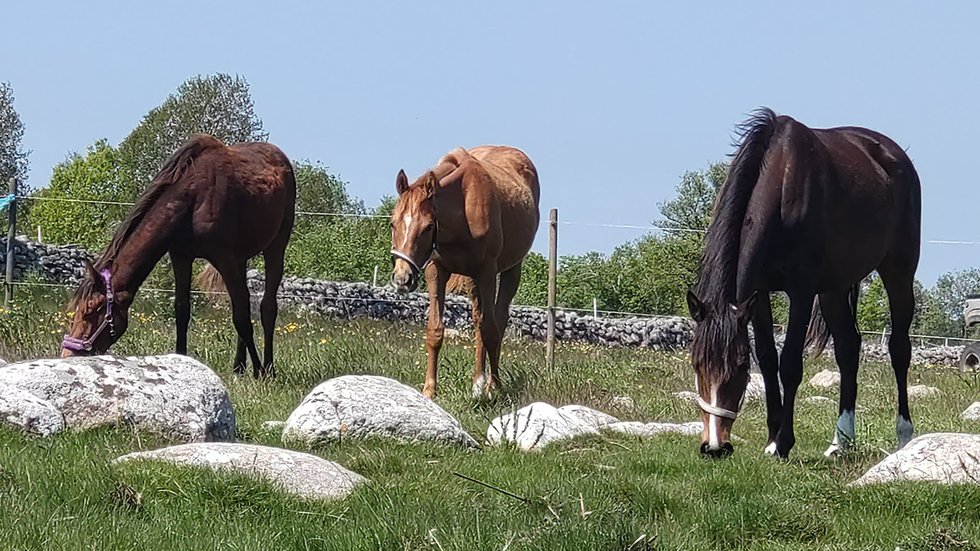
(724, 450)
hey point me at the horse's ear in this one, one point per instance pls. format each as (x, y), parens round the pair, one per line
(695, 306)
(401, 182)
(744, 310)
(95, 277)
(431, 185)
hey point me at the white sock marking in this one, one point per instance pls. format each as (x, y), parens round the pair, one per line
(478, 386)
(904, 430)
(770, 449)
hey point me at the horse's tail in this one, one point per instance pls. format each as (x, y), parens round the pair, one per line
(460, 285)
(210, 281)
(818, 335)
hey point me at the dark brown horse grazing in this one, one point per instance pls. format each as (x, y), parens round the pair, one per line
(475, 214)
(809, 212)
(221, 203)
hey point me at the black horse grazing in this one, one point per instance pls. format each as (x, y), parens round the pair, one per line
(809, 212)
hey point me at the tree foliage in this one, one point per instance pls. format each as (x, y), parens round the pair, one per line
(98, 176)
(13, 159)
(218, 104)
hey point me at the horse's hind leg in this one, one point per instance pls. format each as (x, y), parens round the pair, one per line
(488, 333)
(233, 273)
(509, 282)
(273, 257)
(898, 279)
(839, 315)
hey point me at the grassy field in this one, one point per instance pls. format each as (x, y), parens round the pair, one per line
(610, 492)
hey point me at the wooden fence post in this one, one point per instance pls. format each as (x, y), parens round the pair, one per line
(552, 285)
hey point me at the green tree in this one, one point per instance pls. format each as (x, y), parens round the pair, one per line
(534, 281)
(872, 311)
(689, 212)
(317, 190)
(219, 104)
(13, 159)
(97, 176)
(347, 249)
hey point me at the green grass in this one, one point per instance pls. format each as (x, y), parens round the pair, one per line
(62, 492)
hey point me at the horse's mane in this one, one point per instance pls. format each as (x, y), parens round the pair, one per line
(716, 275)
(171, 171)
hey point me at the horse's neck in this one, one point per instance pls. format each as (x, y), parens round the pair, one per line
(142, 250)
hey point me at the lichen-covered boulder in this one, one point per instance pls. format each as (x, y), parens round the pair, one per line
(363, 406)
(171, 395)
(25, 411)
(301, 474)
(943, 457)
(972, 413)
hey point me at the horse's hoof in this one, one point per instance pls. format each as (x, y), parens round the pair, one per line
(429, 392)
(834, 451)
(239, 369)
(770, 449)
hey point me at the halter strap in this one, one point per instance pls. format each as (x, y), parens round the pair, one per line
(416, 269)
(715, 410)
(85, 345)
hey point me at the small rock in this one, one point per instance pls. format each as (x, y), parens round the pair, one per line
(819, 400)
(363, 406)
(273, 426)
(922, 391)
(623, 402)
(826, 379)
(536, 425)
(946, 458)
(301, 474)
(686, 396)
(972, 413)
(23, 410)
(635, 428)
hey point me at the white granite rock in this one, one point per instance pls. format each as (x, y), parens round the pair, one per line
(363, 406)
(946, 458)
(171, 395)
(301, 474)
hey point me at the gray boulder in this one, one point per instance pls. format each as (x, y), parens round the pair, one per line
(363, 406)
(301, 474)
(946, 458)
(25, 411)
(171, 395)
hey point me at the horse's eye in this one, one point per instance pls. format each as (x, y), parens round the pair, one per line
(429, 226)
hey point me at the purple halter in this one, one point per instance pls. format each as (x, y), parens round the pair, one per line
(85, 345)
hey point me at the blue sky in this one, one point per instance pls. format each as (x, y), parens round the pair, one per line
(613, 101)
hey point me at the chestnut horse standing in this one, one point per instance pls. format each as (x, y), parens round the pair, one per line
(474, 214)
(810, 212)
(222, 203)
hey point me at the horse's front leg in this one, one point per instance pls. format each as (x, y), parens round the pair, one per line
(435, 331)
(791, 367)
(182, 298)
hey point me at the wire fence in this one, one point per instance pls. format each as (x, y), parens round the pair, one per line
(927, 340)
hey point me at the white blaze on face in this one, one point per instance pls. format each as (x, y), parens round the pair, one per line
(714, 441)
(407, 221)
